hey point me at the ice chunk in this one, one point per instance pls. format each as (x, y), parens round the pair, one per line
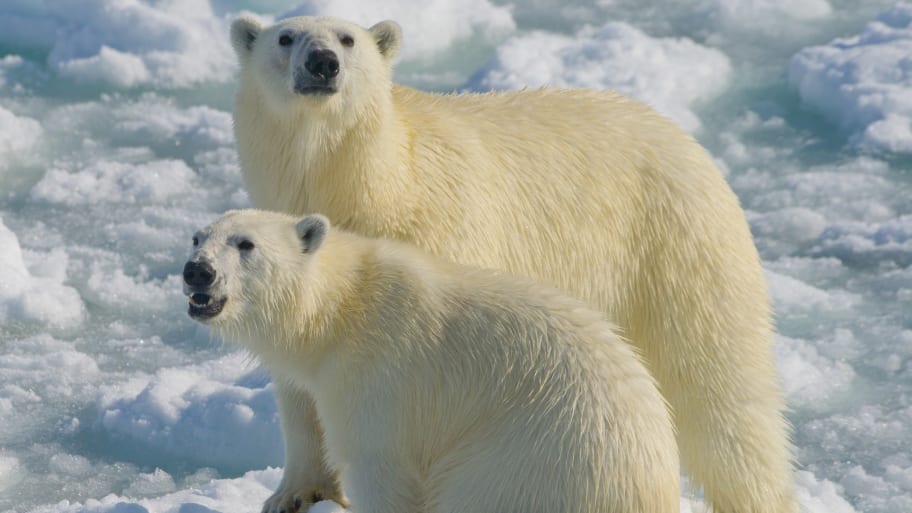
(17, 134)
(33, 298)
(198, 413)
(668, 73)
(10, 471)
(114, 181)
(864, 82)
(428, 27)
(124, 43)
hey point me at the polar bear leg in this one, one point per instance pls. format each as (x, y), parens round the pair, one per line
(306, 478)
(732, 436)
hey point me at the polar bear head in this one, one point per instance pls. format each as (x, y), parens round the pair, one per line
(246, 267)
(315, 62)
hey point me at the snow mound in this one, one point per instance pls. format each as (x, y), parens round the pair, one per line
(241, 495)
(667, 73)
(124, 43)
(864, 82)
(38, 293)
(17, 133)
(110, 180)
(428, 27)
(198, 413)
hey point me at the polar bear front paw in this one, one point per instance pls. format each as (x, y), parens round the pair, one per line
(299, 501)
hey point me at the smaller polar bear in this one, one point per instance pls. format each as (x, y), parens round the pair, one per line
(440, 388)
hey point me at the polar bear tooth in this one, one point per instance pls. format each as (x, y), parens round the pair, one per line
(194, 302)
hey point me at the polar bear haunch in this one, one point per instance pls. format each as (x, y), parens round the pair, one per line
(440, 387)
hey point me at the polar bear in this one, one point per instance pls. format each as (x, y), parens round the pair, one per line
(584, 190)
(440, 388)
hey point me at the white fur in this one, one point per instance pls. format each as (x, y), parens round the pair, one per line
(588, 191)
(443, 388)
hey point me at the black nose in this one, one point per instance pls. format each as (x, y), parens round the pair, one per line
(322, 64)
(198, 274)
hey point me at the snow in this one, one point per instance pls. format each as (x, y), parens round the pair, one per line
(740, 11)
(39, 294)
(240, 495)
(810, 379)
(152, 181)
(9, 468)
(198, 413)
(864, 82)
(442, 22)
(123, 43)
(668, 73)
(116, 144)
(820, 496)
(17, 133)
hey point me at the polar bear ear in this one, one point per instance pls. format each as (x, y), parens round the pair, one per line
(244, 32)
(388, 36)
(311, 232)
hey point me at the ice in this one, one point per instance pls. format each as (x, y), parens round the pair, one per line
(116, 144)
(739, 11)
(34, 297)
(123, 43)
(667, 73)
(820, 496)
(118, 68)
(880, 492)
(428, 27)
(864, 82)
(240, 495)
(153, 118)
(9, 471)
(809, 379)
(798, 224)
(198, 413)
(154, 181)
(793, 295)
(248, 491)
(891, 239)
(17, 134)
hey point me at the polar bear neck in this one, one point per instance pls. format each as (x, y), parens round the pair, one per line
(352, 158)
(311, 311)
(351, 298)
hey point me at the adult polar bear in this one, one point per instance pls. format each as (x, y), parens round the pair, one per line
(589, 191)
(442, 389)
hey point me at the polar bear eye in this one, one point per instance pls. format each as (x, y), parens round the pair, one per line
(347, 40)
(285, 40)
(196, 241)
(245, 245)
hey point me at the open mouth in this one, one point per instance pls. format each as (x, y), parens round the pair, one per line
(204, 307)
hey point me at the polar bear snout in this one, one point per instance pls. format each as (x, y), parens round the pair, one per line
(320, 73)
(199, 274)
(199, 278)
(322, 64)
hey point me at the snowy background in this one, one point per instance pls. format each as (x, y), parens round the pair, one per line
(116, 144)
